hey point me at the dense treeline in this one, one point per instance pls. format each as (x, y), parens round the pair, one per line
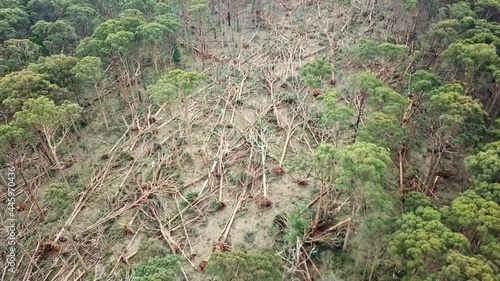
(406, 169)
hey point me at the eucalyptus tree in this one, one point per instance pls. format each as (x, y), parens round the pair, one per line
(14, 21)
(363, 171)
(43, 10)
(485, 165)
(473, 60)
(17, 53)
(336, 116)
(315, 72)
(162, 93)
(147, 7)
(363, 84)
(117, 42)
(198, 9)
(421, 243)
(460, 267)
(57, 70)
(177, 84)
(325, 164)
(17, 87)
(89, 72)
(384, 130)
(83, 18)
(452, 120)
(154, 33)
(57, 37)
(50, 122)
(476, 218)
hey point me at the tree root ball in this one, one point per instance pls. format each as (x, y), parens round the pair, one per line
(302, 182)
(221, 246)
(202, 266)
(263, 203)
(278, 170)
(220, 206)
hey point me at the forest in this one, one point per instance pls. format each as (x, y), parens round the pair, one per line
(250, 140)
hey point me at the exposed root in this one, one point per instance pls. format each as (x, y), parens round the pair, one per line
(221, 246)
(278, 170)
(263, 203)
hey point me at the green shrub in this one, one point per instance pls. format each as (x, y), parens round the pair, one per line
(59, 197)
(164, 269)
(239, 266)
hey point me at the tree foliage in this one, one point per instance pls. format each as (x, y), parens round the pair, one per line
(315, 72)
(239, 266)
(161, 268)
(18, 87)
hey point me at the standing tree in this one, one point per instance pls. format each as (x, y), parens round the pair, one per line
(89, 71)
(336, 116)
(50, 122)
(315, 72)
(383, 130)
(422, 241)
(16, 54)
(152, 34)
(476, 218)
(18, 87)
(185, 83)
(244, 266)
(162, 93)
(459, 267)
(363, 171)
(45, 10)
(485, 165)
(83, 19)
(453, 120)
(57, 70)
(471, 60)
(57, 37)
(14, 21)
(198, 8)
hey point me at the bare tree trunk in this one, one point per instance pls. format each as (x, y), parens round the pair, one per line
(30, 194)
(102, 107)
(349, 228)
(53, 150)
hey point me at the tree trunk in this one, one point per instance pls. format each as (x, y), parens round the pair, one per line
(102, 107)
(349, 228)
(30, 195)
(154, 53)
(53, 150)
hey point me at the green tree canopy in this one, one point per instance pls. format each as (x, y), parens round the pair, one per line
(477, 218)
(88, 70)
(459, 267)
(315, 72)
(422, 240)
(365, 167)
(164, 268)
(13, 22)
(18, 87)
(45, 10)
(239, 266)
(485, 165)
(456, 116)
(57, 70)
(83, 19)
(16, 54)
(383, 130)
(57, 37)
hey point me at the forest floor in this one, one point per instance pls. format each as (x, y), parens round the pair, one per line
(215, 177)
